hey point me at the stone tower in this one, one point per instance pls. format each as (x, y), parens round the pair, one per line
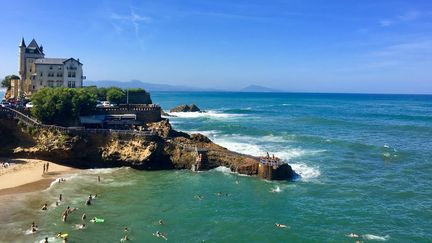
(27, 56)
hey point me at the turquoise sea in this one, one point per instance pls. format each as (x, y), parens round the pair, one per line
(365, 166)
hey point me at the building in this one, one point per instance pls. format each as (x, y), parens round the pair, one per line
(38, 72)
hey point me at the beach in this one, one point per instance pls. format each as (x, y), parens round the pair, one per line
(26, 175)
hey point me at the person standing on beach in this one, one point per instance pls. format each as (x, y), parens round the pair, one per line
(98, 178)
(44, 168)
(60, 197)
(47, 165)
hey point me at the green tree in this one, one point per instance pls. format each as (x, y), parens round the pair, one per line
(6, 82)
(62, 106)
(115, 95)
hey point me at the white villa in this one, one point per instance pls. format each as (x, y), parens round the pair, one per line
(38, 72)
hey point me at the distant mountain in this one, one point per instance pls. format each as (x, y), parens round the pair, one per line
(140, 84)
(166, 87)
(257, 88)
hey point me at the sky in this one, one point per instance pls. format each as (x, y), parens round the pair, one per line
(354, 46)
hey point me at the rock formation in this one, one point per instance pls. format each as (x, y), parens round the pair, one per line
(168, 149)
(186, 108)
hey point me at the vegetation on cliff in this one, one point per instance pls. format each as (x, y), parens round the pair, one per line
(62, 106)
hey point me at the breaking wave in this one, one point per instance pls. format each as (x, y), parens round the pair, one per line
(207, 114)
(375, 237)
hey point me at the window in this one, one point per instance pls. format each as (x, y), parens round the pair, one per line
(40, 82)
(69, 74)
(59, 68)
(59, 83)
(73, 74)
(50, 83)
(71, 84)
(59, 74)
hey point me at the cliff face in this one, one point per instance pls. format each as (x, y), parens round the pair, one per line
(169, 149)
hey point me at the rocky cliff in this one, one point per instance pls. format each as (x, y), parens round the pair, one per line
(168, 149)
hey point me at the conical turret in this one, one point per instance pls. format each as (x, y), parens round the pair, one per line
(22, 44)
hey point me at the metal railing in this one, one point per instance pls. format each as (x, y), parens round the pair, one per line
(28, 121)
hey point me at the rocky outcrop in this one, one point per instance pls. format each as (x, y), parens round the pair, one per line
(186, 108)
(168, 149)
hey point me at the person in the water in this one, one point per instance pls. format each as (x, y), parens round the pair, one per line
(161, 222)
(45, 240)
(44, 207)
(83, 217)
(125, 238)
(80, 226)
(281, 225)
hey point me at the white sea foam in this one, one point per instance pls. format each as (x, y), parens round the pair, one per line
(375, 237)
(207, 114)
(223, 169)
(276, 189)
(305, 171)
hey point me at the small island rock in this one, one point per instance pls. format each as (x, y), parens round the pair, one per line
(186, 108)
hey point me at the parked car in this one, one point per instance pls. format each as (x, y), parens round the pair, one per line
(6, 104)
(29, 105)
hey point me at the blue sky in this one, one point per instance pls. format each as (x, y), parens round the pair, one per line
(296, 45)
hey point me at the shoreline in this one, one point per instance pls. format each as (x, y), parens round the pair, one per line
(25, 175)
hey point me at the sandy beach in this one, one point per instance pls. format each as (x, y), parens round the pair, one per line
(26, 175)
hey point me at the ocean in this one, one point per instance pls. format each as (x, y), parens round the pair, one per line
(365, 166)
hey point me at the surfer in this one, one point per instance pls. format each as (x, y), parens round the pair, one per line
(125, 238)
(281, 225)
(33, 227)
(159, 234)
(83, 217)
(44, 207)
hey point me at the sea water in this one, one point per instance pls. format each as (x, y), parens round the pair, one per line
(364, 163)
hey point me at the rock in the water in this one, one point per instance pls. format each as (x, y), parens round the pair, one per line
(186, 108)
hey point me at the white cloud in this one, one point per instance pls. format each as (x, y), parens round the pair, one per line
(406, 17)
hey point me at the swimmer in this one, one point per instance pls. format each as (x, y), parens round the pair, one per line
(88, 202)
(44, 207)
(125, 238)
(161, 222)
(159, 234)
(126, 229)
(80, 226)
(83, 217)
(352, 235)
(237, 182)
(219, 193)
(281, 225)
(199, 197)
(45, 240)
